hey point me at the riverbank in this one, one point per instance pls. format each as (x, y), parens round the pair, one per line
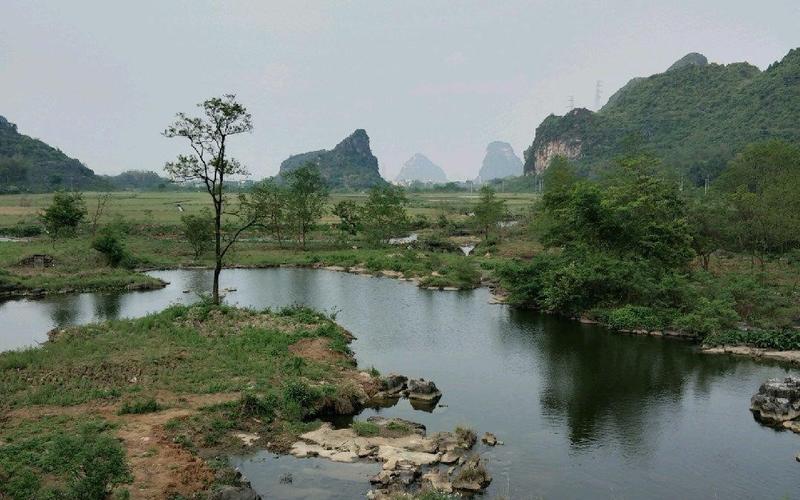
(161, 400)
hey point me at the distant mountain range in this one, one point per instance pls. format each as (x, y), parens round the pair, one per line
(419, 168)
(349, 165)
(695, 116)
(500, 162)
(30, 165)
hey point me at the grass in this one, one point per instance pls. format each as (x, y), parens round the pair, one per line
(181, 352)
(198, 349)
(60, 457)
(365, 429)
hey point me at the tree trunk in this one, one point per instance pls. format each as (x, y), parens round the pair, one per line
(217, 271)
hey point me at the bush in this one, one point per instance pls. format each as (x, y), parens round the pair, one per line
(111, 246)
(22, 230)
(631, 317)
(139, 407)
(300, 399)
(784, 340)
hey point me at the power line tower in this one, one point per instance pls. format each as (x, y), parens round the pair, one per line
(570, 103)
(598, 94)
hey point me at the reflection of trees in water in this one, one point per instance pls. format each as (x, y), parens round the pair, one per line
(200, 281)
(65, 310)
(107, 306)
(602, 383)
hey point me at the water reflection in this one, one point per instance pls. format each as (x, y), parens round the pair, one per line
(65, 312)
(584, 413)
(107, 306)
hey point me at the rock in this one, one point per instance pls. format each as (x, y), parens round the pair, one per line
(451, 457)
(393, 383)
(797, 457)
(423, 389)
(473, 476)
(438, 481)
(397, 424)
(777, 401)
(489, 439)
(236, 493)
(247, 438)
(388, 452)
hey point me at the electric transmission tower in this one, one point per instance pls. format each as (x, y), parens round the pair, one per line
(598, 94)
(570, 103)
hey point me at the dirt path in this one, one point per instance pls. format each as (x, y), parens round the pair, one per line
(160, 467)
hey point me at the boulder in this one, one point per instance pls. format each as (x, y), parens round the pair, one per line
(489, 439)
(393, 384)
(473, 476)
(777, 401)
(397, 425)
(423, 389)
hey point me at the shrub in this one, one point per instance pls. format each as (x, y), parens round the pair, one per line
(300, 399)
(630, 317)
(111, 246)
(139, 407)
(708, 317)
(788, 339)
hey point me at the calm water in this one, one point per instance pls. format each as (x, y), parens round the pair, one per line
(584, 413)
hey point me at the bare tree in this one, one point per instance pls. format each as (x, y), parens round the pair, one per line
(209, 163)
(102, 201)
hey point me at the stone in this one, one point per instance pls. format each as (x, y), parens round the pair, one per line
(777, 401)
(397, 423)
(438, 481)
(423, 389)
(473, 476)
(489, 439)
(393, 383)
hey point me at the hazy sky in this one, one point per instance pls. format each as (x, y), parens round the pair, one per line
(102, 79)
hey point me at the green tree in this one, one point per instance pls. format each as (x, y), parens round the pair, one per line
(271, 202)
(349, 215)
(307, 194)
(210, 164)
(489, 211)
(62, 218)
(384, 213)
(198, 230)
(762, 186)
(109, 243)
(708, 221)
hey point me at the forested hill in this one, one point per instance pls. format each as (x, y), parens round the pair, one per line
(28, 164)
(350, 165)
(695, 116)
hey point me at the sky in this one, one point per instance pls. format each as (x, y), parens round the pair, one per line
(102, 79)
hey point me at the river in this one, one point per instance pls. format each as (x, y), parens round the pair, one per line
(584, 413)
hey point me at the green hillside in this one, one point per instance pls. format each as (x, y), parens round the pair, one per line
(30, 165)
(349, 166)
(696, 116)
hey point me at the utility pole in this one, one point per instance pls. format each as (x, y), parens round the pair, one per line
(598, 94)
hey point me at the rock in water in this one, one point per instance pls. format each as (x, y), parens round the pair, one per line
(489, 438)
(423, 389)
(777, 401)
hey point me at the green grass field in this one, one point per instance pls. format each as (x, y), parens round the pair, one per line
(162, 208)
